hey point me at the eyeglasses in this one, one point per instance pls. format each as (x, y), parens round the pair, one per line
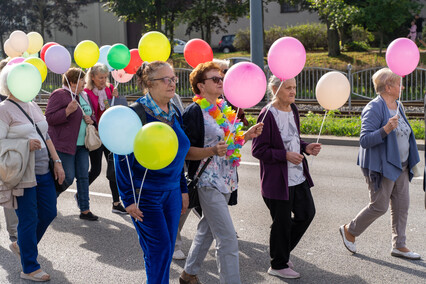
(168, 80)
(215, 79)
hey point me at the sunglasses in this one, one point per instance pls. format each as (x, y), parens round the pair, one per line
(167, 80)
(215, 79)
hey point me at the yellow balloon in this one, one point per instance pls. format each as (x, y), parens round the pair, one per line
(40, 65)
(156, 145)
(86, 54)
(154, 46)
(35, 42)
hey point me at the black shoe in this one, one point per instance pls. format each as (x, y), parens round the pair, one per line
(89, 216)
(119, 209)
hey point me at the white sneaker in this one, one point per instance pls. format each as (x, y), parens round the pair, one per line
(350, 246)
(408, 255)
(284, 273)
(179, 255)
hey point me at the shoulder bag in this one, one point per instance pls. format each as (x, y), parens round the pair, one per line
(92, 141)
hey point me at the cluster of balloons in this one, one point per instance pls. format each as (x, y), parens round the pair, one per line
(154, 145)
(22, 44)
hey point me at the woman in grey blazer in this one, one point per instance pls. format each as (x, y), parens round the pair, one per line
(387, 154)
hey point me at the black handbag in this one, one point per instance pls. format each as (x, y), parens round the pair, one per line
(193, 187)
(59, 187)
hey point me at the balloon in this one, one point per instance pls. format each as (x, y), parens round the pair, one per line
(154, 46)
(118, 127)
(244, 85)
(118, 56)
(333, 90)
(40, 65)
(45, 48)
(286, 57)
(25, 54)
(35, 42)
(8, 49)
(86, 54)
(24, 81)
(197, 51)
(402, 56)
(121, 76)
(103, 53)
(156, 145)
(15, 60)
(135, 62)
(58, 59)
(19, 41)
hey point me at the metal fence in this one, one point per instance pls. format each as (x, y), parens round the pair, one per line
(360, 82)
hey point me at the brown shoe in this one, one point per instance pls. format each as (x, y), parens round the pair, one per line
(186, 278)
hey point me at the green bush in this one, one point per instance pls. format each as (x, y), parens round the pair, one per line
(356, 46)
(312, 36)
(361, 35)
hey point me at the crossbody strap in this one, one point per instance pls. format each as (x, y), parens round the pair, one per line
(197, 177)
(32, 122)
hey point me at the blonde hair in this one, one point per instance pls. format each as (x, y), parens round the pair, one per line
(96, 69)
(4, 89)
(383, 78)
(147, 72)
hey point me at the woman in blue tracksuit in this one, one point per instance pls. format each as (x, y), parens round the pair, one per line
(164, 195)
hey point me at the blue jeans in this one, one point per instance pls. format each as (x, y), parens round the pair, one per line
(78, 166)
(157, 232)
(36, 210)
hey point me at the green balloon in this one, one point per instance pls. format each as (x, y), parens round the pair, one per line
(118, 56)
(24, 81)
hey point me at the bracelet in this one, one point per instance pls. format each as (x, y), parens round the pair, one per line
(58, 161)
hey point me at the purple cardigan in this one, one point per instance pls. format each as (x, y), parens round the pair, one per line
(269, 149)
(63, 130)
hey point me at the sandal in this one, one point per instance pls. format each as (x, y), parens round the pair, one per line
(15, 249)
(40, 276)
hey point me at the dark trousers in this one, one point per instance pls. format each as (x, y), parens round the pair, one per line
(96, 166)
(286, 231)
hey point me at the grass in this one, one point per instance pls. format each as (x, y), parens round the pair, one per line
(358, 60)
(337, 126)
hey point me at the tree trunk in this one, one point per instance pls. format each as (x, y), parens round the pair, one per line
(333, 41)
(2, 47)
(158, 14)
(381, 42)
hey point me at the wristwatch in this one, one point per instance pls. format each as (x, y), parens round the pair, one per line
(58, 161)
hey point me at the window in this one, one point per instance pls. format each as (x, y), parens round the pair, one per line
(288, 8)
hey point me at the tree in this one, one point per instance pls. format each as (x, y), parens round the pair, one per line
(46, 15)
(384, 16)
(207, 16)
(10, 19)
(335, 14)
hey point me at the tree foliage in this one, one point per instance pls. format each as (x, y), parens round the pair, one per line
(44, 16)
(10, 19)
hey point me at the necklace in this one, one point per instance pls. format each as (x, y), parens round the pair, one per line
(223, 115)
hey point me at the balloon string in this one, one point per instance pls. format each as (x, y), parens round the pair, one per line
(131, 179)
(233, 123)
(115, 87)
(399, 98)
(140, 190)
(69, 87)
(78, 81)
(319, 134)
(269, 106)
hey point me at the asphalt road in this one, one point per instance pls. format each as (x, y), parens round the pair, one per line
(107, 251)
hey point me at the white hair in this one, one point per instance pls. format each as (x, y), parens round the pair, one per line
(4, 89)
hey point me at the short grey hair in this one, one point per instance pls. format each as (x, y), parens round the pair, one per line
(223, 63)
(383, 78)
(94, 70)
(4, 89)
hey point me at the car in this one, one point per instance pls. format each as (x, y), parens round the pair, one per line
(178, 45)
(226, 44)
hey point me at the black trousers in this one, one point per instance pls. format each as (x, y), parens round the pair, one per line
(287, 230)
(96, 166)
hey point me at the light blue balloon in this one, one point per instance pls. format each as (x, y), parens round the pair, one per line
(103, 53)
(118, 127)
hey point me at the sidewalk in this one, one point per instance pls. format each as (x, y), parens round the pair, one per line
(345, 141)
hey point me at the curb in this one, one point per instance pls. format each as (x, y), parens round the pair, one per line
(345, 141)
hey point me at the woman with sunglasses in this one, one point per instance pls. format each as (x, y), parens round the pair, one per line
(164, 195)
(209, 125)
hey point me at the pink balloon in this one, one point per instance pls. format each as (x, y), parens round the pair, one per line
(244, 85)
(121, 76)
(402, 56)
(286, 57)
(16, 60)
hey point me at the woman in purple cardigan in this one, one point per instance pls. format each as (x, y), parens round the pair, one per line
(284, 175)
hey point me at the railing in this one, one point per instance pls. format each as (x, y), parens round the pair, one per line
(360, 82)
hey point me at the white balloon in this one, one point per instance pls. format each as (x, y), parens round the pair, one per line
(333, 90)
(8, 49)
(19, 41)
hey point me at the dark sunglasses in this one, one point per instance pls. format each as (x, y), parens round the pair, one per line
(215, 79)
